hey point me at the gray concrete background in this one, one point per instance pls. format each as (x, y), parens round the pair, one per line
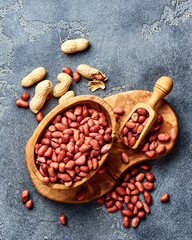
(133, 42)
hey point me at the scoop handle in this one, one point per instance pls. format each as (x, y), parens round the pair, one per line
(162, 88)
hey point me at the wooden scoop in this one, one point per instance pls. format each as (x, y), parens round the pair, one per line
(47, 190)
(162, 88)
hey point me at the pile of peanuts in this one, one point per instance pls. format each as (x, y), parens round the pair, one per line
(125, 196)
(72, 145)
(149, 145)
(134, 126)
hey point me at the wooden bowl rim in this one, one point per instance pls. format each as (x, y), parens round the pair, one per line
(30, 145)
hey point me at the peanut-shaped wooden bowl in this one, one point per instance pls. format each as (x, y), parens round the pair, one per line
(57, 191)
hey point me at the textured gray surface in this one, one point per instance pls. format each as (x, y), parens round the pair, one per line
(134, 43)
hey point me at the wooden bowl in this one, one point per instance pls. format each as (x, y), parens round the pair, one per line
(91, 101)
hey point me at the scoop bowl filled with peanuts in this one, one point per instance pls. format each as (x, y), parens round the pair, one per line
(71, 143)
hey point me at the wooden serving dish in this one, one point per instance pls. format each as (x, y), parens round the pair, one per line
(91, 101)
(100, 183)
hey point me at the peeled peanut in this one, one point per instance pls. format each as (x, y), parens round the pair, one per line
(35, 76)
(66, 96)
(74, 45)
(41, 91)
(165, 198)
(63, 219)
(90, 72)
(22, 103)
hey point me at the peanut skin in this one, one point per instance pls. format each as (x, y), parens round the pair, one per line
(41, 91)
(35, 76)
(74, 45)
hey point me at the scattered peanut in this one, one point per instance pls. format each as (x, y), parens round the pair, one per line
(76, 76)
(91, 73)
(66, 96)
(165, 198)
(74, 45)
(35, 76)
(63, 219)
(173, 134)
(39, 117)
(41, 91)
(24, 196)
(67, 70)
(29, 204)
(22, 103)
(25, 96)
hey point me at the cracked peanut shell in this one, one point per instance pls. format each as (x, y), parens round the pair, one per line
(95, 85)
(89, 72)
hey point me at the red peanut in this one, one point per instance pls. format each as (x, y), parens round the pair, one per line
(101, 200)
(146, 207)
(25, 96)
(109, 203)
(126, 212)
(135, 222)
(39, 117)
(173, 134)
(126, 222)
(134, 170)
(139, 186)
(149, 176)
(118, 110)
(140, 177)
(24, 196)
(141, 214)
(67, 70)
(76, 76)
(142, 111)
(112, 209)
(134, 199)
(29, 204)
(165, 197)
(120, 190)
(22, 103)
(163, 137)
(160, 149)
(45, 180)
(63, 219)
(125, 157)
(150, 154)
(119, 205)
(98, 76)
(148, 185)
(147, 197)
(145, 166)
